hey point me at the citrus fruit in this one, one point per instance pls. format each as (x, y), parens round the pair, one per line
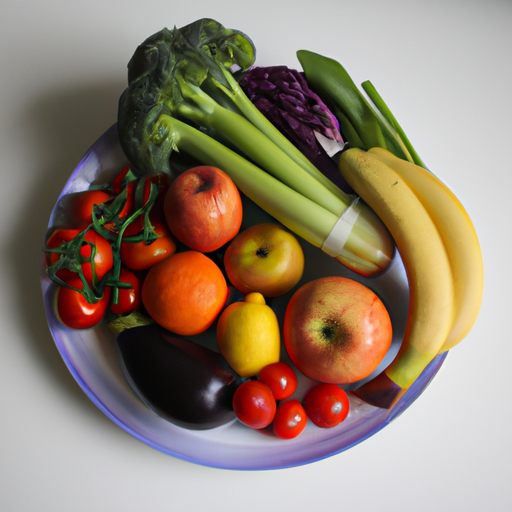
(185, 292)
(248, 335)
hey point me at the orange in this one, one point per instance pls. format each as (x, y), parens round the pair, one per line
(185, 292)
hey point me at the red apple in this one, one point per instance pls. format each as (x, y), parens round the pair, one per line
(264, 258)
(203, 208)
(336, 330)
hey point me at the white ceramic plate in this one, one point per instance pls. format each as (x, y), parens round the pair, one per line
(92, 358)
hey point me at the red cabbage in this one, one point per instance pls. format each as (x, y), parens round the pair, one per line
(283, 96)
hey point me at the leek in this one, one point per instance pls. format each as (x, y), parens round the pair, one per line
(182, 97)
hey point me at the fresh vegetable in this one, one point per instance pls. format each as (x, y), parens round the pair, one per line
(280, 378)
(254, 404)
(181, 93)
(359, 123)
(290, 420)
(141, 255)
(80, 206)
(73, 309)
(182, 381)
(284, 97)
(89, 257)
(326, 405)
(84, 254)
(248, 335)
(128, 298)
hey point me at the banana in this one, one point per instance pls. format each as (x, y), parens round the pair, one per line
(459, 237)
(428, 269)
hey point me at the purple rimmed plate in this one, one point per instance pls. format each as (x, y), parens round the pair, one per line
(92, 358)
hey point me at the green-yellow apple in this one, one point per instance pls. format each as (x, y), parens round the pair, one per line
(336, 330)
(203, 208)
(264, 258)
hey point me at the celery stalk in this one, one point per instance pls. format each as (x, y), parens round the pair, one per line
(363, 252)
(259, 148)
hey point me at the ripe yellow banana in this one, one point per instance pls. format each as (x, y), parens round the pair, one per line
(431, 305)
(459, 237)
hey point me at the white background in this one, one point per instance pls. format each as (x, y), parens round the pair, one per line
(444, 69)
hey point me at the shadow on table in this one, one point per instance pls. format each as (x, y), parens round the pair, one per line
(58, 129)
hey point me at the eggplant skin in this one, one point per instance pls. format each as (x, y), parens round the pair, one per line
(180, 380)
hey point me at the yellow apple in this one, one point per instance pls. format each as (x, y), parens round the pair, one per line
(264, 258)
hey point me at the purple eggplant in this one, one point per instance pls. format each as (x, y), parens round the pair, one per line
(184, 382)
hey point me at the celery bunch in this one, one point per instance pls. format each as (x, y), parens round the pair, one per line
(182, 95)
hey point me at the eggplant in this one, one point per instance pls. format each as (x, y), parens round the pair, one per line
(183, 382)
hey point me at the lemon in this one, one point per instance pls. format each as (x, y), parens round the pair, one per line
(248, 335)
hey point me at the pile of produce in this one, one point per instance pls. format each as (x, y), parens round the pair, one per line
(160, 253)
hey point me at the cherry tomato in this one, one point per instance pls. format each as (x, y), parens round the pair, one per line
(56, 239)
(140, 256)
(280, 378)
(103, 259)
(254, 404)
(128, 298)
(290, 419)
(81, 206)
(326, 405)
(74, 311)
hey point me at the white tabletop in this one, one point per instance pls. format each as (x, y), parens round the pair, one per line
(443, 67)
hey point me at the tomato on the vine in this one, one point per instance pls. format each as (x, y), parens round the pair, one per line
(327, 405)
(290, 419)
(81, 206)
(141, 256)
(280, 378)
(103, 256)
(128, 298)
(58, 238)
(254, 404)
(74, 311)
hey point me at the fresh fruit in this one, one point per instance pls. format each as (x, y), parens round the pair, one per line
(185, 292)
(336, 330)
(280, 378)
(254, 404)
(80, 206)
(73, 310)
(326, 405)
(93, 243)
(203, 208)
(290, 420)
(128, 299)
(141, 256)
(184, 382)
(248, 335)
(459, 237)
(264, 258)
(428, 269)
